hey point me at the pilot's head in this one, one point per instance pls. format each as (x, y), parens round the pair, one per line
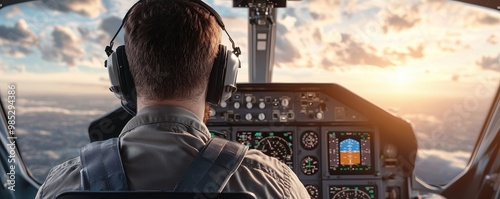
(171, 46)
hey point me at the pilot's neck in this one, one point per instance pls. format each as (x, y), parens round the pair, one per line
(196, 106)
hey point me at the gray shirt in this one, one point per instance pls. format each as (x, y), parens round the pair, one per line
(157, 146)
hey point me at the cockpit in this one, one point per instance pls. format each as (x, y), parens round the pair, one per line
(365, 99)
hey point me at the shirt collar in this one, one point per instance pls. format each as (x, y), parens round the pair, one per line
(168, 114)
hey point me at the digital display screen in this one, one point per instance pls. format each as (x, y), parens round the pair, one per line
(350, 153)
(353, 192)
(274, 144)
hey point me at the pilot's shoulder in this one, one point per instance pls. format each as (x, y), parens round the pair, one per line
(266, 177)
(255, 159)
(61, 178)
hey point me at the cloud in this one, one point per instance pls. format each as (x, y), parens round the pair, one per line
(65, 47)
(408, 52)
(19, 69)
(89, 8)
(456, 159)
(14, 11)
(422, 118)
(26, 102)
(476, 18)
(322, 44)
(104, 32)
(84, 31)
(17, 41)
(16, 51)
(285, 51)
(444, 164)
(58, 110)
(352, 52)
(448, 44)
(492, 39)
(20, 33)
(486, 19)
(397, 20)
(4, 68)
(110, 25)
(319, 12)
(331, 49)
(489, 62)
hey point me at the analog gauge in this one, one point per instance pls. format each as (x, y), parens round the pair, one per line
(275, 147)
(309, 165)
(350, 194)
(309, 140)
(313, 191)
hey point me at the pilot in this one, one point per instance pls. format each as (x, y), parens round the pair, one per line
(171, 46)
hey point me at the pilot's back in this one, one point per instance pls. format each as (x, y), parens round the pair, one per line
(157, 147)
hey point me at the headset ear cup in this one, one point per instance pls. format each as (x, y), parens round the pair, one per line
(230, 74)
(122, 83)
(126, 80)
(216, 80)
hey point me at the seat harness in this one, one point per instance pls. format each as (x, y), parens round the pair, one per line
(216, 162)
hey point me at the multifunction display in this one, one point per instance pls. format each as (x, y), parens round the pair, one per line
(274, 144)
(350, 153)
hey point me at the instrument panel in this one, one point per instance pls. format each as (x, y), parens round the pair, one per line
(339, 145)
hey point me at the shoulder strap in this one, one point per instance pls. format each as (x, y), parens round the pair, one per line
(212, 167)
(102, 168)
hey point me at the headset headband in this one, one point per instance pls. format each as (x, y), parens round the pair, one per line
(236, 50)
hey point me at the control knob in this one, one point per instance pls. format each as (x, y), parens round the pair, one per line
(262, 105)
(248, 116)
(285, 102)
(248, 98)
(319, 115)
(262, 116)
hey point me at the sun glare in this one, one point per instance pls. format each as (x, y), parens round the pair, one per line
(401, 77)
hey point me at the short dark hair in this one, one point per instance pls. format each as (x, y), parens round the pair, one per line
(170, 46)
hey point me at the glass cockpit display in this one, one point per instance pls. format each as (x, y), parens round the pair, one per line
(350, 153)
(274, 144)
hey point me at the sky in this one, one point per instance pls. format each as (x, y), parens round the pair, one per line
(398, 44)
(416, 58)
(385, 51)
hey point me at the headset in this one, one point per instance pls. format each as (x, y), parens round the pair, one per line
(222, 80)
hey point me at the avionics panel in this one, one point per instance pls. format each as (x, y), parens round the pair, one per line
(350, 153)
(277, 144)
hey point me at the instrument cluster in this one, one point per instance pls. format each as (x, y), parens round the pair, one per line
(338, 148)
